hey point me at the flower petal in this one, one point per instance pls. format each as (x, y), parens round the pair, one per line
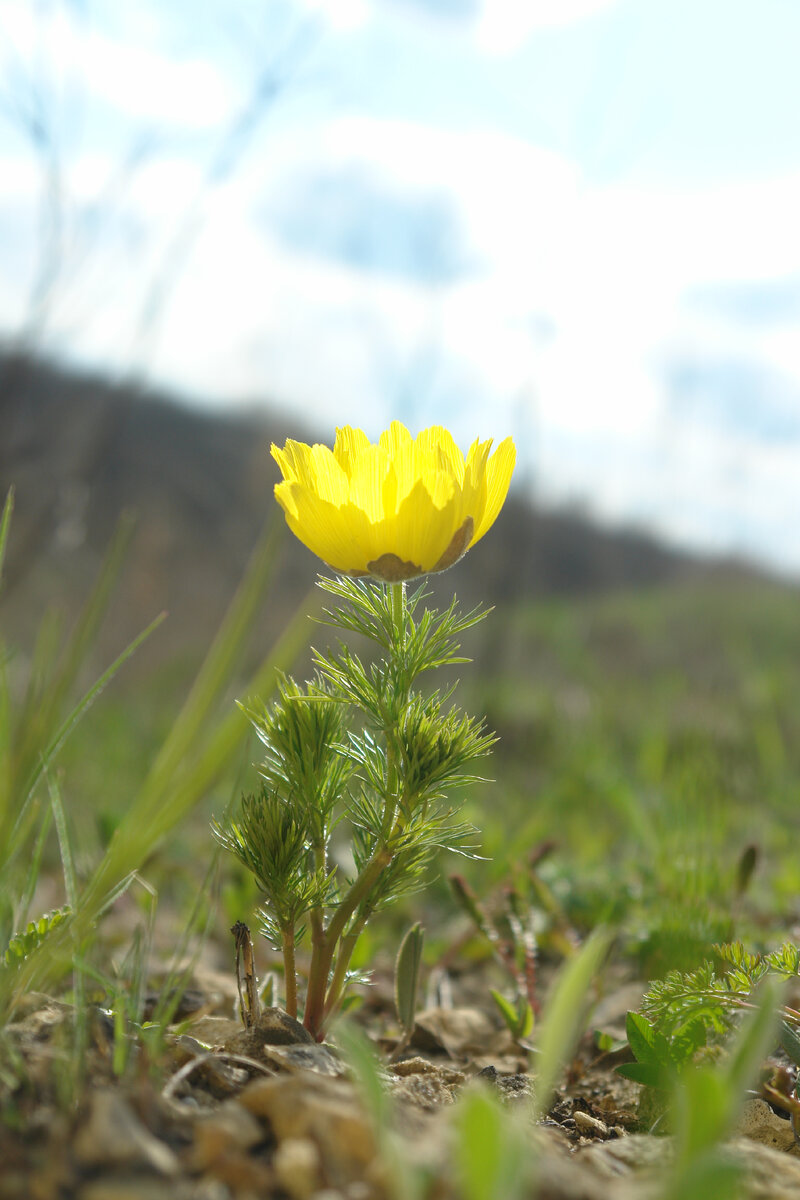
(473, 501)
(395, 439)
(423, 526)
(366, 482)
(459, 545)
(408, 462)
(329, 480)
(349, 444)
(437, 443)
(499, 470)
(294, 461)
(337, 535)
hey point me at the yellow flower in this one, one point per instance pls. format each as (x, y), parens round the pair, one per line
(395, 510)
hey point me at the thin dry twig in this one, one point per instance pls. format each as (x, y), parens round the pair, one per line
(249, 1003)
(172, 1084)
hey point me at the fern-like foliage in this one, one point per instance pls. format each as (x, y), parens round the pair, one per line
(26, 941)
(692, 1013)
(715, 996)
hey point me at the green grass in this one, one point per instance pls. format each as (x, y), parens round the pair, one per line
(199, 752)
(654, 735)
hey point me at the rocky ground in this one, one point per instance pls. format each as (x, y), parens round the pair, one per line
(234, 1114)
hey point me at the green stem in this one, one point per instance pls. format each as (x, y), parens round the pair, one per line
(360, 889)
(316, 918)
(289, 970)
(348, 940)
(324, 946)
(317, 927)
(397, 593)
(346, 948)
(324, 989)
(321, 953)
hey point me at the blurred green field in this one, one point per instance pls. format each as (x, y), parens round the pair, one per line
(653, 735)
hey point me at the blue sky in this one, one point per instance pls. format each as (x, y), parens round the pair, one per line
(572, 220)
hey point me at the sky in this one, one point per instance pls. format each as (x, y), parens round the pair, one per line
(575, 221)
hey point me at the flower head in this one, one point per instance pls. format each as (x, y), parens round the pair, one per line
(401, 508)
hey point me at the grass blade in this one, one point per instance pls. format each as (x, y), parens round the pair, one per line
(65, 729)
(65, 849)
(562, 1021)
(5, 525)
(191, 760)
(216, 670)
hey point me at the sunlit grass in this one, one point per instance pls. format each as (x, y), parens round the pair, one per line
(201, 744)
(658, 732)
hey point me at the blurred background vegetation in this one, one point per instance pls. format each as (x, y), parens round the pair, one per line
(647, 700)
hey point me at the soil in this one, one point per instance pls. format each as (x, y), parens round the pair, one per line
(233, 1114)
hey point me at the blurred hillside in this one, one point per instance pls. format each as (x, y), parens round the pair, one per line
(79, 450)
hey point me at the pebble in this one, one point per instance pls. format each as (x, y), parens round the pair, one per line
(761, 1124)
(421, 1066)
(587, 1124)
(324, 1110)
(297, 1167)
(769, 1174)
(302, 1058)
(231, 1127)
(113, 1135)
(137, 1187)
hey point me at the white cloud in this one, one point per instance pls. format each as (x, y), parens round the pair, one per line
(341, 15)
(19, 178)
(188, 93)
(504, 24)
(64, 54)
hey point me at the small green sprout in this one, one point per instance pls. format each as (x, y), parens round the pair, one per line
(406, 984)
(518, 1017)
(27, 940)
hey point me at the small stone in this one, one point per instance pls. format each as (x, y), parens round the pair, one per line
(761, 1124)
(459, 1032)
(135, 1187)
(212, 1032)
(231, 1127)
(326, 1111)
(302, 1058)
(219, 1077)
(427, 1092)
(113, 1135)
(640, 1152)
(274, 1028)
(769, 1174)
(297, 1167)
(589, 1125)
(359, 1190)
(42, 1016)
(421, 1066)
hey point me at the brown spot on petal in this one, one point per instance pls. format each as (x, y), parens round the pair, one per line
(392, 569)
(356, 573)
(459, 545)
